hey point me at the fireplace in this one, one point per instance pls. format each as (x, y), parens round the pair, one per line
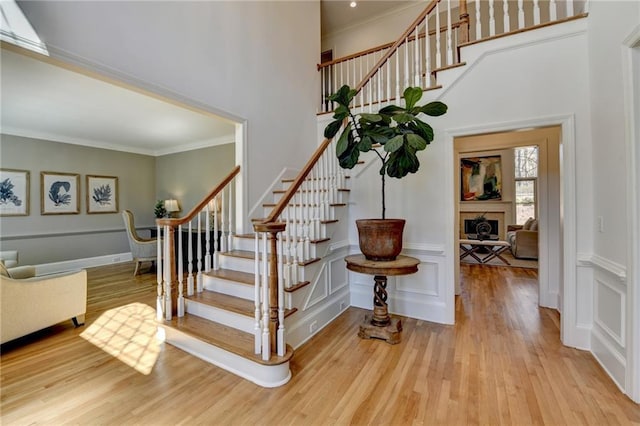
(470, 226)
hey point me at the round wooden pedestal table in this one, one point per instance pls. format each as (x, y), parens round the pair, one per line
(380, 325)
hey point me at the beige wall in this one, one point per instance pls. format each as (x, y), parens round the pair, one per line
(54, 238)
(188, 176)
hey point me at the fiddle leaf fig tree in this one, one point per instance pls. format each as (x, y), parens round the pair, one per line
(394, 133)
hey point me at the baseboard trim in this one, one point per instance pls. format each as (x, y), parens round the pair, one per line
(609, 358)
(89, 262)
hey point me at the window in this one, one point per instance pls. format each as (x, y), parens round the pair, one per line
(526, 182)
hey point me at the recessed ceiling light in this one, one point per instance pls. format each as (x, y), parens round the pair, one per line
(353, 4)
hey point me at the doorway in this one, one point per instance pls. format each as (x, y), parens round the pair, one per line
(499, 144)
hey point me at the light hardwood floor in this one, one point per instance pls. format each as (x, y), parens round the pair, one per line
(502, 363)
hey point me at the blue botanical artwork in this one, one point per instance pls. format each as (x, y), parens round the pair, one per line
(102, 194)
(14, 192)
(6, 193)
(59, 193)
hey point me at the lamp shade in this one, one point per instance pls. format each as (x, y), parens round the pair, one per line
(171, 206)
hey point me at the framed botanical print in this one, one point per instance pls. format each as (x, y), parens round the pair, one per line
(14, 192)
(59, 193)
(102, 194)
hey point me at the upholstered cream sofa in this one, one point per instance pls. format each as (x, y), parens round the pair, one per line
(524, 239)
(29, 303)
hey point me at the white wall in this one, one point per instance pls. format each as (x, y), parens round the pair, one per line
(252, 60)
(610, 23)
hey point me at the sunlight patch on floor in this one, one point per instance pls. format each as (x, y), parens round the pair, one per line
(127, 333)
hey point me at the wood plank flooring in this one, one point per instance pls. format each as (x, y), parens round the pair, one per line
(502, 363)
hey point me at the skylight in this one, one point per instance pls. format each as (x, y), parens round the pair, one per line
(16, 28)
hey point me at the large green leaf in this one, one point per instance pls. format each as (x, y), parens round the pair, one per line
(423, 129)
(401, 163)
(373, 118)
(391, 110)
(331, 129)
(394, 143)
(404, 117)
(343, 96)
(343, 142)
(411, 96)
(341, 113)
(434, 109)
(365, 144)
(349, 158)
(416, 142)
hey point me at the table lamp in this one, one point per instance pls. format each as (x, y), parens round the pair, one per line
(171, 206)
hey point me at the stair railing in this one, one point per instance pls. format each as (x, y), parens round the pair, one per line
(209, 230)
(432, 43)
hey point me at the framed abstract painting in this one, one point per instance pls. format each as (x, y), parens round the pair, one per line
(59, 193)
(14, 192)
(102, 194)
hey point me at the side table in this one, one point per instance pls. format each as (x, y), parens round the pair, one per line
(380, 325)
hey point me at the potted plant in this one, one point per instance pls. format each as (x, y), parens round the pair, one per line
(395, 134)
(159, 211)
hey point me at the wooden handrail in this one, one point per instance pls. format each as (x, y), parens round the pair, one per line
(443, 28)
(284, 201)
(395, 45)
(180, 221)
(286, 198)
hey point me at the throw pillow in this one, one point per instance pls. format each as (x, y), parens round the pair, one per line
(527, 224)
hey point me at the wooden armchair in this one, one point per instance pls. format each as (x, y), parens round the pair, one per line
(142, 249)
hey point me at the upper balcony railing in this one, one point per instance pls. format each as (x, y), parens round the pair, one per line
(432, 43)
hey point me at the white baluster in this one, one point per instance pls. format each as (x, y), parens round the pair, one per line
(536, 12)
(388, 65)
(287, 248)
(223, 222)
(492, 19)
(397, 54)
(199, 284)
(478, 21)
(427, 54)
(230, 221)
(520, 13)
(341, 75)
(505, 18)
(294, 248)
(168, 305)
(256, 295)
(449, 32)
(323, 102)
(553, 10)
(306, 244)
(216, 238)
(407, 69)
(190, 283)
(180, 290)
(438, 51)
(159, 275)
(207, 256)
(570, 8)
(266, 340)
(280, 336)
(416, 57)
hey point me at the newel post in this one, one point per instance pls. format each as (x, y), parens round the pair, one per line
(169, 273)
(464, 23)
(272, 228)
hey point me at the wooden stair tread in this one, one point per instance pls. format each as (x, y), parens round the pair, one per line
(227, 338)
(231, 275)
(291, 205)
(283, 191)
(230, 303)
(289, 180)
(239, 253)
(247, 278)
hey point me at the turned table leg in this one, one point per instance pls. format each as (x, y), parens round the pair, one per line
(380, 310)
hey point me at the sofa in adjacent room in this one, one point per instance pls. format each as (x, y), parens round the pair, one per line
(524, 239)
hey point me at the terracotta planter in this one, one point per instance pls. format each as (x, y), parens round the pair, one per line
(380, 239)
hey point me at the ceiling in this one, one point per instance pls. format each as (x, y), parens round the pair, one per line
(44, 101)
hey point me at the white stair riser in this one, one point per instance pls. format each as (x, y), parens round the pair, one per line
(228, 287)
(230, 319)
(340, 197)
(316, 249)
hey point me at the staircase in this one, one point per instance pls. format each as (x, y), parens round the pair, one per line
(244, 301)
